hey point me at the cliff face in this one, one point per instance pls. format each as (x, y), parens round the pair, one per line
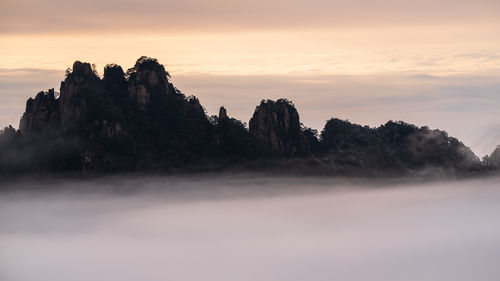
(138, 116)
(147, 78)
(69, 111)
(114, 81)
(82, 93)
(75, 89)
(277, 126)
(41, 113)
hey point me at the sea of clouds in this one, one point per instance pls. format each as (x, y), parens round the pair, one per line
(249, 227)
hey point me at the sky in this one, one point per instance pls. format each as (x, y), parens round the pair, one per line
(434, 63)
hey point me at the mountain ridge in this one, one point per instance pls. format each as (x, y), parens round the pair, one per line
(138, 120)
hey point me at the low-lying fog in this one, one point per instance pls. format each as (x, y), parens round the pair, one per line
(249, 228)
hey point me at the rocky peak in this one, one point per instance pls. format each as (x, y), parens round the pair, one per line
(222, 114)
(114, 80)
(82, 69)
(40, 113)
(79, 82)
(82, 72)
(147, 78)
(277, 126)
(113, 73)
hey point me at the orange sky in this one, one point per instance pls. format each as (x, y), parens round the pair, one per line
(433, 63)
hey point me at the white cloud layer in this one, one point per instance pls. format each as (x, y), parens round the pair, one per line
(250, 228)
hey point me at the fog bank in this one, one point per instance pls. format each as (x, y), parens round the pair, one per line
(250, 228)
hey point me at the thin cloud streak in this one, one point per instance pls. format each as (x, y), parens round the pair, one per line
(324, 51)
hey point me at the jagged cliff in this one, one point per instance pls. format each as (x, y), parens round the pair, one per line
(41, 113)
(277, 126)
(146, 78)
(136, 116)
(137, 120)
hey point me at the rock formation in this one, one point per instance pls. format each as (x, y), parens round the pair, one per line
(41, 113)
(277, 126)
(75, 90)
(114, 80)
(232, 139)
(222, 114)
(139, 121)
(147, 78)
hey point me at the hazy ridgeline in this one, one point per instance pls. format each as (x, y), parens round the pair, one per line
(139, 121)
(249, 228)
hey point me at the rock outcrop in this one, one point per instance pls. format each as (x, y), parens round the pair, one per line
(146, 79)
(222, 128)
(114, 81)
(41, 113)
(222, 114)
(79, 84)
(277, 126)
(232, 139)
(65, 112)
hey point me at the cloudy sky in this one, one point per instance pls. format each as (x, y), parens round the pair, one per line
(434, 63)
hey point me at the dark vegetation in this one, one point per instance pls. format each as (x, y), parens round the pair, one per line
(138, 121)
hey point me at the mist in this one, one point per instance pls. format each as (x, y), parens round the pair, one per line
(248, 227)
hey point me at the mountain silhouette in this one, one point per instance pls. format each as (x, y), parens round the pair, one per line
(139, 121)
